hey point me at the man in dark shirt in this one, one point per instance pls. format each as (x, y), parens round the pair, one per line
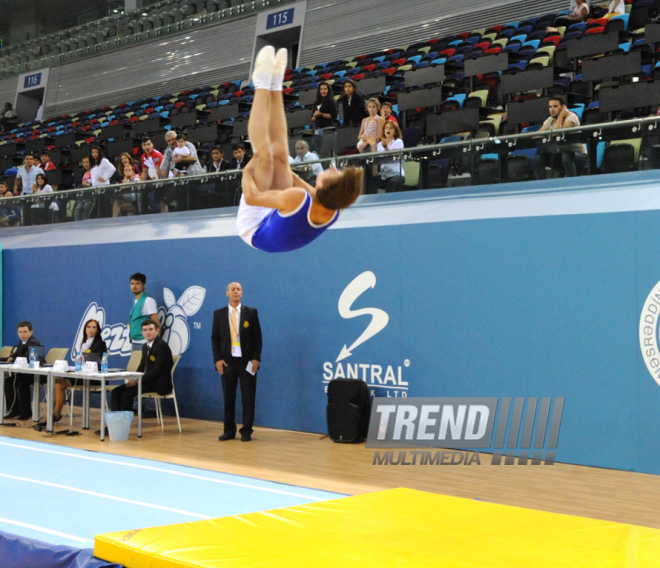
(17, 388)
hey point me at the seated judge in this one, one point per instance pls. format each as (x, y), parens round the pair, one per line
(90, 342)
(156, 364)
(17, 387)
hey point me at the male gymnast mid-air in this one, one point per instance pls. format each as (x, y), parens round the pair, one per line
(279, 212)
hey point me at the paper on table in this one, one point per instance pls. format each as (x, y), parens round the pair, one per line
(249, 368)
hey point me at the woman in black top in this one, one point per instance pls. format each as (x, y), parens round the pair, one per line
(91, 342)
(353, 105)
(325, 111)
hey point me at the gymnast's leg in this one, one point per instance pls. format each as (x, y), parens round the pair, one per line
(258, 124)
(278, 130)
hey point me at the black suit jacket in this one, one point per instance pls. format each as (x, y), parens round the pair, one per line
(234, 163)
(354, 111)
(250, 335)
(21, 350)
(224, 166)
(98, 346)
(158, 376)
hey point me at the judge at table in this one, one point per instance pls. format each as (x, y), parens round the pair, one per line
(156, 364)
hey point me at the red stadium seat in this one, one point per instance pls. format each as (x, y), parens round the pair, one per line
(591, 31)
(551, 40)
(389, 71)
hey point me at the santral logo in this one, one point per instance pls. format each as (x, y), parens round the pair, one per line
(173, 320)
(389, 377)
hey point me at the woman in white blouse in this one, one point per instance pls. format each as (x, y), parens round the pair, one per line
(102, 169)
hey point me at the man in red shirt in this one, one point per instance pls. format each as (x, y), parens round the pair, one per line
(46, 165)
(151, 162)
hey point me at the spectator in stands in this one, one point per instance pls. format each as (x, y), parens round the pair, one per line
(124, 159)
(391, 168)
(218, 164)
(614, 8)
(84, 205)
(125, 205)
(181, 150)
(39, 208)
(26, 176)
(46, 165)
(152, 168)
(573, 155)
(241, 159)
(8, 115)
(10, 216)
(40, 111)
(170, 163)
(325, 109)
(575, 15)
(387, 113)
(151, 159)
(352, 102)
(372, 126)
(306, 173)
(102, 168)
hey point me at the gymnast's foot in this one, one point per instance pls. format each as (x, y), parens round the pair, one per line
(263, 67)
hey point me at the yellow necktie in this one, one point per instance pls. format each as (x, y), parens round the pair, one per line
(233, 327)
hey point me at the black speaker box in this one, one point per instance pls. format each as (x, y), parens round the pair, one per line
(348, 410)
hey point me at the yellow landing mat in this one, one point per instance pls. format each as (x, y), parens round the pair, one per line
(398, 527)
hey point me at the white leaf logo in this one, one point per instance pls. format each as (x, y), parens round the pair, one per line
(192, 299)
(170, 300)
(379, 318)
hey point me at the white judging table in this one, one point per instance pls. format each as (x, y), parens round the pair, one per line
(103, 379)
(36, 373)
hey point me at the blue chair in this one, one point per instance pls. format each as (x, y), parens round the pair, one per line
(439, 61)
(533, 128)
(422, 64)
(520, 38)
(624, 18)
(600, 154)
(578, 109)
(414, 59)
(595, 104)
(459, 98)
(625, 46)
(512, 25)
(533, 43)
(380, 58)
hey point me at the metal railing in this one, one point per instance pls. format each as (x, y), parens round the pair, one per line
(462, 167)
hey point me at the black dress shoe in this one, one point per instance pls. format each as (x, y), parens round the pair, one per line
(226, 437)
(98, 432)
(14, 414)
(246, 437)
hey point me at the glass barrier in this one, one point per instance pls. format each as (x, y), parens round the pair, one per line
(118, 30)
(457, 166)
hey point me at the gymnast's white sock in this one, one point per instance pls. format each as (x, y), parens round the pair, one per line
(279, 68)
(263, 68)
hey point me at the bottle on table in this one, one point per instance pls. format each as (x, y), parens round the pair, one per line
(78, 361)
(33, 357)
(104, 364)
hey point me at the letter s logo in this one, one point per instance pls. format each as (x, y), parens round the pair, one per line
(379, 318)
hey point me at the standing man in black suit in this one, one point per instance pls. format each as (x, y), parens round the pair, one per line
(156, 364)
(236, 341)
(17, 389)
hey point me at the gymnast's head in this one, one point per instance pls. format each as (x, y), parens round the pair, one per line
(338, 189)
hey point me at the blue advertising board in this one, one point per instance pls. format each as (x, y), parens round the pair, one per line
(548, 304)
